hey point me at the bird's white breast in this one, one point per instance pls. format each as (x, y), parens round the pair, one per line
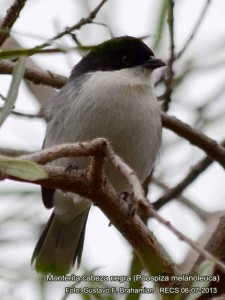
(120, 106)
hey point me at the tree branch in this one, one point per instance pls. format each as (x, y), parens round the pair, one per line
(182, 199)
(195, 29)
(102, 193)
(26, 115)
(35, 75)
(174, 192)
(195, 137)
(77, 26)
(216, 246)
(170, 73)
(151, 253)
(10, 18)
(203, 252)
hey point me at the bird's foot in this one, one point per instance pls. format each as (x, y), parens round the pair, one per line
(71, 167)
(128, 198)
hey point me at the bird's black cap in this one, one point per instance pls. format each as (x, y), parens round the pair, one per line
(115, 54)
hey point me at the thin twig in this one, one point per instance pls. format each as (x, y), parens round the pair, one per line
(41, 93)
(174, 192)
(26, 115)
(195, 137)
(194, 30)
(183, 237)
(170, 73)
(216, 246)
(77, 26)
(195, 171)
(182, 199)
(10, 18)
(147, 210)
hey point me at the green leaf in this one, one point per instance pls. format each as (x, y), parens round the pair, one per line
(17, 75)
(178, 296)
(206, 268)
(18, 192)
(86, 296)
(26, 170)
(14, 53)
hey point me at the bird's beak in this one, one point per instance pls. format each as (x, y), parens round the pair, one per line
(153, 63)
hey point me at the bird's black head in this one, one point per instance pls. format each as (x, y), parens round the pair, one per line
(116, 54)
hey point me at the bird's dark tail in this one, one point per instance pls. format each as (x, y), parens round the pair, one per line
(60, 245)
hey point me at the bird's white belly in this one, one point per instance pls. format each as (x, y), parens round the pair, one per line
(126, 113)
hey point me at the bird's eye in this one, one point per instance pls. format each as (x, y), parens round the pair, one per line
(126, 59)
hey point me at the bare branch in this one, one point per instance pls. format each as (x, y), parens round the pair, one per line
(195, 29)
(104, 196)
(198, 210)
(192, 256)
(97, 148)
(30, 116)
(146, 246)
(174, 192)
(216, 246)
(77, 26)
(86, 149)
(195, 137)
(40, 93)
(194, 245)
(146, 209)
(35, 75)
(10, 18)
(170, 73)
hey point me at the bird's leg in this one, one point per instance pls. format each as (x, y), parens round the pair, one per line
(71, 167)
(128, 198)
(68, 169)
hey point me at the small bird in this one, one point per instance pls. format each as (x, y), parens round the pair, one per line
(109, 94)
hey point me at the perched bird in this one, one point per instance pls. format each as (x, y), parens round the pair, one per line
(109, 94)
